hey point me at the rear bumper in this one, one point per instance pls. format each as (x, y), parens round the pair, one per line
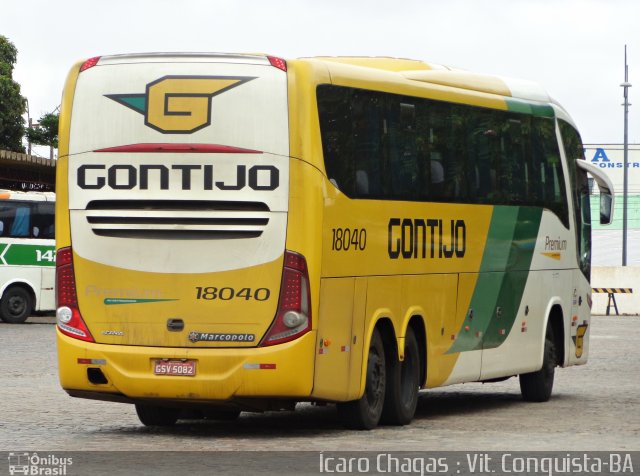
(222, 375)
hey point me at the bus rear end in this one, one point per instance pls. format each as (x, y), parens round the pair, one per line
(174, 282)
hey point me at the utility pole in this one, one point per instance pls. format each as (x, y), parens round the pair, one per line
(625, 86)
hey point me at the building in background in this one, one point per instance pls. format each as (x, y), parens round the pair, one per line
(607, 241)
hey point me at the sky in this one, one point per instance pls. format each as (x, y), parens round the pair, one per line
(573, 48)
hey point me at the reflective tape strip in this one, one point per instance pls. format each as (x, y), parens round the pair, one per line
(613, 290)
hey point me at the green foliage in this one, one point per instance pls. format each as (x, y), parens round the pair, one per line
(46, 132)
(8, 56)
(12, 104)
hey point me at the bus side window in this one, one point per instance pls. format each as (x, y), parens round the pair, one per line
(20, 226)
(43, 220)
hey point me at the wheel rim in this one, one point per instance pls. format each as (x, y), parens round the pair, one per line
(375, 380)
(17, 305)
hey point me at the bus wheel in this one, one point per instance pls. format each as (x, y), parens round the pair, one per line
(537, 386)
(16, 305)
(151, 415)
(403, 383)
(365, 413)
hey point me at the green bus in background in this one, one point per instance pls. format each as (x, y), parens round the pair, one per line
(27, 254)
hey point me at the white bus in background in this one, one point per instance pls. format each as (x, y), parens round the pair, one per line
(27, 254)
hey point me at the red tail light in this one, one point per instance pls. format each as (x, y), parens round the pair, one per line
(278, 63)
(68, 315)
(90, 63)
(293, 318)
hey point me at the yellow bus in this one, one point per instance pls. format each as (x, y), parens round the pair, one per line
(243, 232)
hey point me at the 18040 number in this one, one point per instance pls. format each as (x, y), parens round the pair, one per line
(210, 293)
(345, 239)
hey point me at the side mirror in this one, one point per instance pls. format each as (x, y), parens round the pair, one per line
(606, 208)
(606, 190)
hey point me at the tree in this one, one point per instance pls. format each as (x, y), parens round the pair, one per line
(45, 132)
(12, 104)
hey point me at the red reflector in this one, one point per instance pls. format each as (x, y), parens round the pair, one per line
(292, 289)
(295, 261)
(63, 257)
(84, 361)
(278, 62)
(293, 316)
(69, 320)
(267, 366)
(90, 63)
(181, 148)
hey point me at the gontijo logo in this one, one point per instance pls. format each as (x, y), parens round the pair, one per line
(179, 104)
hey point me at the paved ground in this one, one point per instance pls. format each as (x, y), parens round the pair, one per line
(595, 407)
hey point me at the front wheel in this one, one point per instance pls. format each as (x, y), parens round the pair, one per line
(537, 386)
(365, 413)
(16, 305)
(151, 415)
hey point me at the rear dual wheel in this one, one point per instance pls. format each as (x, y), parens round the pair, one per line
(391, 388)
(153, 415)
(365, 413)
(403, 383)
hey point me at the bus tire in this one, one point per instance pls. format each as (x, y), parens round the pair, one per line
(537, 386)
(152, 415)
(365, 413)
(16, 305)
(403, 383)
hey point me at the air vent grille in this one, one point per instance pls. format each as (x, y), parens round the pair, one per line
(177, 219)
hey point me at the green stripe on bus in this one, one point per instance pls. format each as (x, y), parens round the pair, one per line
(515, 277)
(526, 107)
(501, 280)
(16, 254)
(113, 301)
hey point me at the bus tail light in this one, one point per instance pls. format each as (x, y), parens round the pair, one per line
(278, 63)
(68, 315)
(90, 63)
(293, 317)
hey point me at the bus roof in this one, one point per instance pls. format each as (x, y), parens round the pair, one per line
(414, 70)
(400, 69)
(522, 95)
(434, 73)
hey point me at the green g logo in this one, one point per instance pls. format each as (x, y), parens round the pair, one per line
(179, 104)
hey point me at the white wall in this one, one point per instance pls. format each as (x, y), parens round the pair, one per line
(616, 277)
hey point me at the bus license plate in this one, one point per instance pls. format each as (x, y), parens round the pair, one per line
(180, 368)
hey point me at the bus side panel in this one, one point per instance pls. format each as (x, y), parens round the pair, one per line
(340, 354)
(334, 343)
(523, 349)
(456, 367)
(577, 332)
(47, 299)
(62, 226)
(433, 299)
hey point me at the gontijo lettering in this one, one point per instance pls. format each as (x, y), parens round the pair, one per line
(410, 238)
(180, 176)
